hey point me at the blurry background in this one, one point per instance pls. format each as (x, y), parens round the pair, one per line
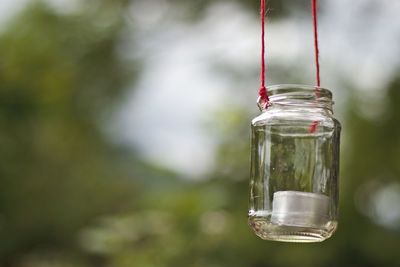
(124, 129)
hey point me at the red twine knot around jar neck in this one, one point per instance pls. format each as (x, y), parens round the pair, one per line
(263, 99)
(263, 94)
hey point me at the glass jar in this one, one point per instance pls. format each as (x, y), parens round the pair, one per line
(295, 166)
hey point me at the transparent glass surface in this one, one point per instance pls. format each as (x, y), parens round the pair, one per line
(295, 166)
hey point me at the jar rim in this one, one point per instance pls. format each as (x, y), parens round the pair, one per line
(299, 95)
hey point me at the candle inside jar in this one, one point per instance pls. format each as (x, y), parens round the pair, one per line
(303, 209)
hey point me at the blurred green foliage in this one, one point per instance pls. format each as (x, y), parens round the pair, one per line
(57, 74)
(69, 197)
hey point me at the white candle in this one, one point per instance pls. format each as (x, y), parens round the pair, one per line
(303, 209)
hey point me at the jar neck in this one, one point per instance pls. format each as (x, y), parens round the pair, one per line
(278, 107)
(300, 97)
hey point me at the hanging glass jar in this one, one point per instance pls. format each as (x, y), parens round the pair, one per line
(295, 166)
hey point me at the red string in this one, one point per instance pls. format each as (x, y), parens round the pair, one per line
(263, 91)
(314, 126)
(314, 15)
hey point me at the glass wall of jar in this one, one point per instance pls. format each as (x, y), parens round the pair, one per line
(294, 166)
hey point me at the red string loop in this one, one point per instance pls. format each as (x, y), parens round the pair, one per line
(263, 94)
(263, 91)
(314, 4)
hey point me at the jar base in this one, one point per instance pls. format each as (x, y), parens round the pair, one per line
(284, 233)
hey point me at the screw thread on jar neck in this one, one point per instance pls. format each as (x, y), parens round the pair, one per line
(293, 95)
